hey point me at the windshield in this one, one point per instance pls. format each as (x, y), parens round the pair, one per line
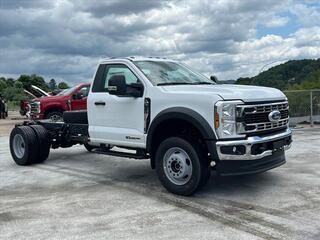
(170, 73)
(67, 91)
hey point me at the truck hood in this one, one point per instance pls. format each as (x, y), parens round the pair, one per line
(51, 99)
(230, 91)
(39, 91)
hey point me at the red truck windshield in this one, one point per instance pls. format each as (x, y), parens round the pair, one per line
(67, 92)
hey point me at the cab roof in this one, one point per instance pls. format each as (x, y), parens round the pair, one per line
(138, 58)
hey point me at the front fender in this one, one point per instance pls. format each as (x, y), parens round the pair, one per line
(190, 116)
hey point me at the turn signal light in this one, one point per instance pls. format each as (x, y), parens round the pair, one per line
(216, 120)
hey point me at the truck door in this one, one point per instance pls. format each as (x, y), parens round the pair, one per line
(113, 119)
(79, 98)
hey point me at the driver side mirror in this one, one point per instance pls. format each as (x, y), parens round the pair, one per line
(117, 85)
(77, 95)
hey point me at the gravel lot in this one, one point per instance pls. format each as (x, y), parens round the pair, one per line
(81, 195)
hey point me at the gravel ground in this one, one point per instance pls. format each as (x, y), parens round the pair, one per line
(7, 124)
(81, 195)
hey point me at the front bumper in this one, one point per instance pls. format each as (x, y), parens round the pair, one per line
(235, 167)
(252, 155)
(254, 148)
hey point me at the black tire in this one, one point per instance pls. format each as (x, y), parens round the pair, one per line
(200, 167)
(44, 140)
(30, 145)
(54, 115)
(78, 117)
(88, 147)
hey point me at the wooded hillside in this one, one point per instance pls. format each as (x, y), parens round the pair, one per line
(294, 74)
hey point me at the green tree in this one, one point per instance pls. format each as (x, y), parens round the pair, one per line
(3, 84)
(13, 94)
(28, 80)
(18, 84)
(10, 82)
(292, 74)
(63, 85)
(52, 84)
(245, 81)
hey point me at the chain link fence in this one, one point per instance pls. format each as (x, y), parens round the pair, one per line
(304, 106)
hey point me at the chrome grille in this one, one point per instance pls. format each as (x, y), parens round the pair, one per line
(258, 117)
(254, 118)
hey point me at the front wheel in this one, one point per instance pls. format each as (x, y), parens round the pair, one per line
(181, 166)
(88, 147)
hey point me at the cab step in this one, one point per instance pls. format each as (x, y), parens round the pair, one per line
(139, 154)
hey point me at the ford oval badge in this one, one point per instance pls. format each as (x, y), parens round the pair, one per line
(274, 116)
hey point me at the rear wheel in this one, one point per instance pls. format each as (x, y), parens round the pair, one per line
(181, 166)
(24, 145)
(44, 141)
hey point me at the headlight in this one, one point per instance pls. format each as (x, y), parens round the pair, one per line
(225, 119)
(35, 107)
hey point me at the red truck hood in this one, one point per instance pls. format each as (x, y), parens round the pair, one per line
(51, 99)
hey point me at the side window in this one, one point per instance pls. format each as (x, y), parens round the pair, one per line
(98, 84)
(112, 70)
(106, 71)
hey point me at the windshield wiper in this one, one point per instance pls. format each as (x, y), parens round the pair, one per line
(202, 83)
(184, 83)
(173, 83)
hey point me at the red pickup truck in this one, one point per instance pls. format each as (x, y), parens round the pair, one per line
(52, 107)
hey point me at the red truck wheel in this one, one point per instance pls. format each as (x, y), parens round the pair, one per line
(55, 116)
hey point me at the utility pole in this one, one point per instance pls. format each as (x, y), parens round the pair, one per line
(311, 109)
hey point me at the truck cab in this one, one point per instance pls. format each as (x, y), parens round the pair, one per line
(186, 124)
(52, 107)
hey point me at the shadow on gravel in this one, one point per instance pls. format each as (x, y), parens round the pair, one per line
(140, 172)
(210, 202)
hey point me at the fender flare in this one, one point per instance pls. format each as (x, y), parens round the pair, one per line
(190, 116)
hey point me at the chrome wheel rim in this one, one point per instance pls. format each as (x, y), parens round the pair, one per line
(55, 118)
(177, 166)
(19, 145)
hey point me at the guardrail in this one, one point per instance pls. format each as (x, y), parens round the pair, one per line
(304, 106)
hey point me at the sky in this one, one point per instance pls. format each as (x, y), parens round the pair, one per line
(65, 39)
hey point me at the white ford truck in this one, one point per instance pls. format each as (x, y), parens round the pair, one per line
(162, 110)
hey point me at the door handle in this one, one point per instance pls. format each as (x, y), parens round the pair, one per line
(100, 103)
